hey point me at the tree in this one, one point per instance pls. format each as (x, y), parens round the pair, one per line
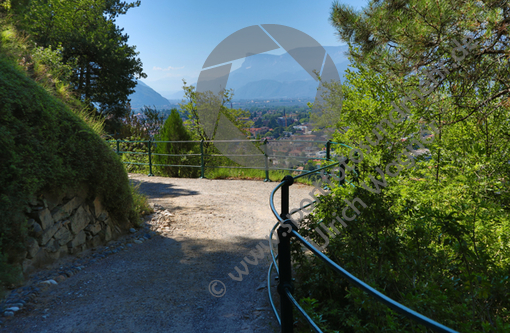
(204, 127)
(174, 130)
(453, 53)
(105, 66)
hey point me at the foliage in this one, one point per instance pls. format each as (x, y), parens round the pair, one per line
(204, 127)
(45, 66)
(104, 67)
(140, 203)
(174, 130)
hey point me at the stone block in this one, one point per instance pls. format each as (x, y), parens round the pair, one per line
(96, 241)
(48, 233)
(45, 218)
(78, 240)
(99, 212)
(63, 236)
(79, 220)
(94, 228)
(34, 229)
(64, 250)
(32, 200)
(64, 211)
(32, 247)
(28, 267)
(108, 234)
(52, 246)
(41, 259)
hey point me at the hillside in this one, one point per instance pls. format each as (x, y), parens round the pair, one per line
(46, 147)
(145, 95)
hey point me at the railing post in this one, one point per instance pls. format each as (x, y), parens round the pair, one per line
(118, 147)
(328, 149)
(150, 160)
(343, 172)
(284, 261)
(267, 161)
(202, 165)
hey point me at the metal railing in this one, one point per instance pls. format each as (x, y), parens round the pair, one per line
(285, 288)
(150, 144)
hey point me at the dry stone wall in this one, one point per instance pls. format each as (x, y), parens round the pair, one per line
(63, 224)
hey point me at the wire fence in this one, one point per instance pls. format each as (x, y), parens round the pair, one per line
(296, 156)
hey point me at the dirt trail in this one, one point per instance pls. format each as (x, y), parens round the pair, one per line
(162, 285)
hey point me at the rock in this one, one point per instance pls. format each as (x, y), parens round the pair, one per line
(78, 240)
(45, 218)
(32, 200)
(108, 234)
(64, 211)
(48, 233)
(262, 286)
(52, 199)
(63, 250)
(8, 314)
(32, 247)
(63, 236)
(96, 241)
(13, 309)
(27, 266)
(52, 246)
(60, 279)
(79, 220)
(100, 213)
(132, 230)
(137, 241)
(94, 228)
(36, 230)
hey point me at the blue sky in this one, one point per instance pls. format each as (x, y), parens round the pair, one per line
(174, 38)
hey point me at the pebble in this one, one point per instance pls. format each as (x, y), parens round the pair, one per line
(42, 280)
(13, 309)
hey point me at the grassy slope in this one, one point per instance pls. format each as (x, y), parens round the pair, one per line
(45, 145)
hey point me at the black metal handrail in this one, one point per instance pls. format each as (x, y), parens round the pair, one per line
(286, 230)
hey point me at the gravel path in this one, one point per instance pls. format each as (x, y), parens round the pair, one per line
(162, 285)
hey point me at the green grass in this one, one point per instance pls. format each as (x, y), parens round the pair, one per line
(255, 174)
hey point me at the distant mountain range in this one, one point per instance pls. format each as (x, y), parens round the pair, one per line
(145, 95)
(261, 76)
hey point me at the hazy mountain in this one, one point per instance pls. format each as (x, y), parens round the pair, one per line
(279, 76)
(275, 76)
(145, 95)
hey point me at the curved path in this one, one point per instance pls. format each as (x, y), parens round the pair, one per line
(162, 285)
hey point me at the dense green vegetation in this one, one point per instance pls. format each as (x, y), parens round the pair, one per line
(434, 234)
